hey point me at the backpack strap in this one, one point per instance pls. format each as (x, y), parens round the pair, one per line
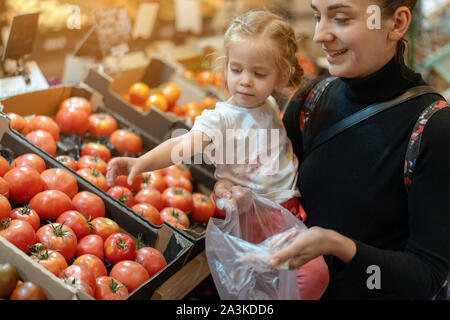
(412, 151)
(312, 99)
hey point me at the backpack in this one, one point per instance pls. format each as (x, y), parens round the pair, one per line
(413, 148)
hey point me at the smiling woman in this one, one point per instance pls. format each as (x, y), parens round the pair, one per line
(360, 215)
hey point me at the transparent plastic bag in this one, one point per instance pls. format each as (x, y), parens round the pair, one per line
(239, 248)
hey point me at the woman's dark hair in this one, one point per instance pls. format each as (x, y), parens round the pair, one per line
(388, 8)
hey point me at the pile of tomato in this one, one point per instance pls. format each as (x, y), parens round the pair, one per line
(165, 98)
(162, 195)
(43, 213)
(166, 195)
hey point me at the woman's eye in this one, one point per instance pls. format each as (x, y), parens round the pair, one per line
(341, 20)
(317, 17)
(235, 70)
(260, 75)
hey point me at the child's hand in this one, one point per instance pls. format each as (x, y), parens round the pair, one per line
(222, 189)
(122, 166)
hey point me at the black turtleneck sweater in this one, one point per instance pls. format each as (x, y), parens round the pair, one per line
(354, 185)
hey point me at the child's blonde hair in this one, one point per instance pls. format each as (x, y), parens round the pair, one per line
(262, 23)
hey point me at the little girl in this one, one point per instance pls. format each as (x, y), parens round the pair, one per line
(259, 58)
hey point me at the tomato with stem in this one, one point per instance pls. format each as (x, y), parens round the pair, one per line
(26, 214)
(107, 288)
(119, 247)
(60, 237)
(51, 260)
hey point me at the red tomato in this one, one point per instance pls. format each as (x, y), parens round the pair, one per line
(104, 227)
(94, 177)
(28, 291)
(107, 288)
(60, 179)
(4, 188)
(68, 161)
(51, 260)
(4, 166)
(93, 263)
(126, 141)
(155, 180)
(43, 140)
(181, 169)
(49, 204)
(72, 121)
(102, 124)
(150, 195)
(18, 123)
(91, 244)
(122, 181)
(77, 103)
(122, 194)
(26, 214)
(19, 232)
(59, 237)
(44, 123)
(30, 160)
(130, 273)
(75, 221)
(205, 77)
(217, 212)
(176, 180)
(203, 208)
(5, 208)
(179, 198)
(149, 212)
(119, 247)
(96, 149)
(138, 93)
(24, 183)
(91, 162)
(156, 100)
(89, 204)
(152, 260)
(79, 277)
(171, 91)
(175, 217)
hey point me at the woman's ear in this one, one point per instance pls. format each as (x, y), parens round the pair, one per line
(402, 18)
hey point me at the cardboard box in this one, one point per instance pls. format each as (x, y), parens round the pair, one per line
(173, 246)
(28, 270)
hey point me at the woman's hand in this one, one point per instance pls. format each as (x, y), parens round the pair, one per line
(122, 166)
(312, 243)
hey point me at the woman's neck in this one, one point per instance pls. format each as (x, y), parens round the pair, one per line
(385, 84)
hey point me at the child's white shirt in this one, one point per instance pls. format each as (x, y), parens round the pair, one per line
(242, 132)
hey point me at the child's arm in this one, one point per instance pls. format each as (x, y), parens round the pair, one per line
(164, 155)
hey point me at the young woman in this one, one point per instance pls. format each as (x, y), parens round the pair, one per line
(379, 240)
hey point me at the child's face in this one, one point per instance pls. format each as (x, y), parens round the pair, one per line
(354, 47)
(251, 73)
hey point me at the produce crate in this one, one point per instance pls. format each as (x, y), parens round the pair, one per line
(174, 247)
(46, 102)
(155, 122)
